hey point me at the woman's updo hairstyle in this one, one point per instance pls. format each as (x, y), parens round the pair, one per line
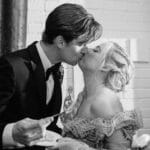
(117, 66)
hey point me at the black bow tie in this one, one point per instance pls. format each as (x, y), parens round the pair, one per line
(53, 70)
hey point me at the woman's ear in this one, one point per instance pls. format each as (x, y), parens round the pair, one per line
(60, 42)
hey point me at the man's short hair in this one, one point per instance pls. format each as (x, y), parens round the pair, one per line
(71, 21)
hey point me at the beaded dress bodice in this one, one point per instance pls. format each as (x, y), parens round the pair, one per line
(94, 131)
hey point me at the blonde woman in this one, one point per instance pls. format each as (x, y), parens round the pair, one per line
(97, 118)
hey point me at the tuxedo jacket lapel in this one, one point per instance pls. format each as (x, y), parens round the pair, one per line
(39, 73)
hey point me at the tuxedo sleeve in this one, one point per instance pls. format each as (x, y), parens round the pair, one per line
(7, 88)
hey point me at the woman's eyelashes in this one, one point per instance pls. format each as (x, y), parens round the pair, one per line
(97, 49)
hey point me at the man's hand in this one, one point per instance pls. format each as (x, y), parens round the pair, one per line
(29, 130)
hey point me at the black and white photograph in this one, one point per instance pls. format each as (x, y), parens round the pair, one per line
(74, 75)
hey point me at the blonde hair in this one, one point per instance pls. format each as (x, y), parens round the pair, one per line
(118, 73)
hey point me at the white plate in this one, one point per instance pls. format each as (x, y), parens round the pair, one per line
(50, 139)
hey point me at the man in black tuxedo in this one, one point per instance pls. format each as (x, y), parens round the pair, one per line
(30, 79)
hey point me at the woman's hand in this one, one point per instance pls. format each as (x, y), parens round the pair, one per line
(142, 141)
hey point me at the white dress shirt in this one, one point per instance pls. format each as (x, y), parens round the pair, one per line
(7, 133)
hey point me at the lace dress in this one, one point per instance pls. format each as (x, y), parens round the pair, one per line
(99, 132)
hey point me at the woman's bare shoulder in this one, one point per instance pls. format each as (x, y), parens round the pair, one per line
(106, 105)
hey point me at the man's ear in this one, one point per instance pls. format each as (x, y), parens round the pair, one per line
(60, 42)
